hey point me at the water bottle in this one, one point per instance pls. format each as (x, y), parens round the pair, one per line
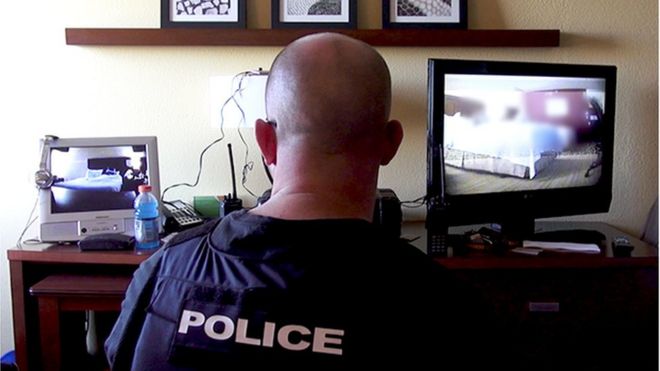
(147, 221)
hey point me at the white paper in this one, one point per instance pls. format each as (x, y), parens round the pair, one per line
(527, 250)
(588, 248)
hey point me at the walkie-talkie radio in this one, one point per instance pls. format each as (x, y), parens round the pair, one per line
(231, 202)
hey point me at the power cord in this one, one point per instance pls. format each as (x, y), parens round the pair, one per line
(200, 166)
(248, 166)
(266, 170)
(416, 203)
(30, 220)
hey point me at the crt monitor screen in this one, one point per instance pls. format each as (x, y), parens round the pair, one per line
(97, 178)
(93, 185)
(528, 139)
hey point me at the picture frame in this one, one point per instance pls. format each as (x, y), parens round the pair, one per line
(203, 13)
(310, 14)
(409, 14)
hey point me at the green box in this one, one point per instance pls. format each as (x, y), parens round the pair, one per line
(208, 206)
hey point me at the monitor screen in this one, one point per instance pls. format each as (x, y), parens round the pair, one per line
(93, 185)
(97, 178)
(518, 141)
(519, 133)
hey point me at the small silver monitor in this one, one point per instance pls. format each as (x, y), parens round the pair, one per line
(94, 184)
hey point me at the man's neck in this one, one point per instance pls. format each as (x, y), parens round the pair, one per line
(332, 187)
(315, 204)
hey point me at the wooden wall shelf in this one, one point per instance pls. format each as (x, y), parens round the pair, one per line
(281, 37)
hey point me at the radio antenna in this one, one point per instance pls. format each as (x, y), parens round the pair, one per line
(233, 173)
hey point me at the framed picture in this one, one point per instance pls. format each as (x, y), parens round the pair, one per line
(314, 13)
(424, 13)
(203, 13)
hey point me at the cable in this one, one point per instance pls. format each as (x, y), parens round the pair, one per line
(247, 165)
(28, 223)
(270, 177)
(231, 98)
(199, 171)
(413, 204)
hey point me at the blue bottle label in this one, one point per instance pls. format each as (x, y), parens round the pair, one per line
(146, 233)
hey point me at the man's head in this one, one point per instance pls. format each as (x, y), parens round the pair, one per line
(328, 88)
(328, 101)
(328, 91)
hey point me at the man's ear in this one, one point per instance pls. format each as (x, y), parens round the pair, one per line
(393, 138)
(267, 141)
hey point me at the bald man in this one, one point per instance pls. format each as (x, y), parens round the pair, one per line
(328, 129)
(304, 280)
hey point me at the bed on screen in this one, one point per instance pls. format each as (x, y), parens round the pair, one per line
(514, 148)
(103, 187)
(95, 183)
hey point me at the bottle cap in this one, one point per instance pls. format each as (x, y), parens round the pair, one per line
(144, 188)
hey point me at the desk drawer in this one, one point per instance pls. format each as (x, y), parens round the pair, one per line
(574, 318)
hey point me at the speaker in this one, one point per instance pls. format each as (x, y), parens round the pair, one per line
(387, 213)
(43, 179)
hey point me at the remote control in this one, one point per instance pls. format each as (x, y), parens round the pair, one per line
(621, 246)
(437, 244)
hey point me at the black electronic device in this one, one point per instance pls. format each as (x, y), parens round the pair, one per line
(437, 228)
(106, 241)
(387, 212)
(231, 202)
(621, 246)
(179, 216)
(509, 142)
(438, 244)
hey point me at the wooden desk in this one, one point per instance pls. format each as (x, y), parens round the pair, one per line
(608, 306)
(65, 292)
(567, 311)
(33, 264)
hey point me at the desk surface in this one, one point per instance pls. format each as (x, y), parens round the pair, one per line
(53, 253)
(643, 255)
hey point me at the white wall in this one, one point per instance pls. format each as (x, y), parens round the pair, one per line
(50, 88)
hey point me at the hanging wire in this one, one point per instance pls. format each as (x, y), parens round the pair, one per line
(416, 203)
(28, 223)
(248, 165)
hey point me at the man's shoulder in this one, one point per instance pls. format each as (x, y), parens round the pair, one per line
(193, 233)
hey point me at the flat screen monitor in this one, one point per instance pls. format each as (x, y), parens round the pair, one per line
(93, 184)
(512, 141)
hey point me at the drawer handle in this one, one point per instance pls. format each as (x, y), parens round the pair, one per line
(550, 307)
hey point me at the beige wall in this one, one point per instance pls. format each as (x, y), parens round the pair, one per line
(50, 88)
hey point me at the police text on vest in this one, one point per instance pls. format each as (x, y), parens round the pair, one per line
(222, 328)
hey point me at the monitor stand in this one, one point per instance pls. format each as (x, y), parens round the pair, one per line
(517, 229)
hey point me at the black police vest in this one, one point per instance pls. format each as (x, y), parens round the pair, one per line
(254, 291)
